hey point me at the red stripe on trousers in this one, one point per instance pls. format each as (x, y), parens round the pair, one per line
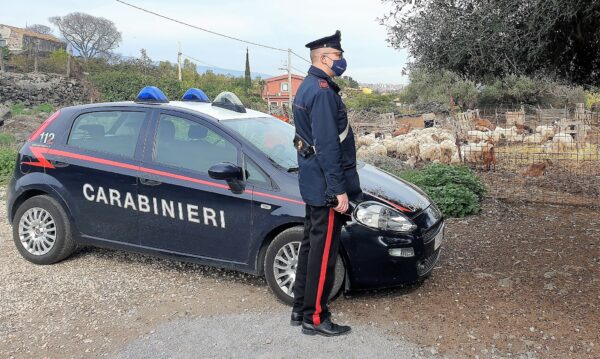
(317, 313)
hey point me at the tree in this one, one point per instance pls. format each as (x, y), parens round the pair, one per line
(247, 78)
(144, 62)
(40, 29)
(89, 35)
(484, 39)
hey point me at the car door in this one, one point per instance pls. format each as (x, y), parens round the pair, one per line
(189, 212)
(97, 168)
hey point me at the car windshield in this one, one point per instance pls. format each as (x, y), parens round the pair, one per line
(271, 135)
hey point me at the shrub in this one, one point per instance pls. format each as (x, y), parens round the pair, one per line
(439, 175)
(8, 157)
(456, 190)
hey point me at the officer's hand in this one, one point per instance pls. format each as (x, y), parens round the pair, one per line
(342, 203)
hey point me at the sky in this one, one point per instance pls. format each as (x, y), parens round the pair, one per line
(278, 23)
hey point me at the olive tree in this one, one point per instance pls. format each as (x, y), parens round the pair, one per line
(483, 39)
(89, 35)
(40, 29)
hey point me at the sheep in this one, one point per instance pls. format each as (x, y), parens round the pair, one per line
(564, 141)
(429, 152)
(547, 132)
(366, 140)
(406, 147)
(430, 138)
(476, 136)
(390, 145)
(447, 151)
(536, 138)
(440, 147)
(376, 149)
(455, 159)
(474, 152)
(508, 134)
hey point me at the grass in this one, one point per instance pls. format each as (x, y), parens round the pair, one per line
(517, 156)
(6, 139)
(20, 109)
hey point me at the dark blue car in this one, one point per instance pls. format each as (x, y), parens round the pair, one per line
(213, 183)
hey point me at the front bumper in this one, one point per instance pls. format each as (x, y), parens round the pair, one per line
(370, 265)
(10, 198)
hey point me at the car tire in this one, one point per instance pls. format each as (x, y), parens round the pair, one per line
(42, 231)
(290, 240)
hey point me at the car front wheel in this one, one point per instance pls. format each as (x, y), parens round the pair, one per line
(281, 261)
(41, 231)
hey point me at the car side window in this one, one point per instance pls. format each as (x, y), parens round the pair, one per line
(183, 143)
(114, 132)
(255, 175)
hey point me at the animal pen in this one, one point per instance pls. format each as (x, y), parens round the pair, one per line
(547, 155)
(550, 156)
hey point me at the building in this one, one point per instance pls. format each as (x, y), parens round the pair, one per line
(17, 40)
(276, 91)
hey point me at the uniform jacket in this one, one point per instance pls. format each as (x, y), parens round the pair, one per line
(320, 117)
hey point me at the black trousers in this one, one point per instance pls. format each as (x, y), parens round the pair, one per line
(316, 263)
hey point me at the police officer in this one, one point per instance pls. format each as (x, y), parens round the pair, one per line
(327, 179)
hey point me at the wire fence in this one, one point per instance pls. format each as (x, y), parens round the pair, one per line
(549, 156)
(546, 155)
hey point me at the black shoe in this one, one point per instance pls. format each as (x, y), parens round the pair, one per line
(296, 319)
(326, 329)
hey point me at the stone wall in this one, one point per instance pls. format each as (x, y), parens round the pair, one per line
(33, 89)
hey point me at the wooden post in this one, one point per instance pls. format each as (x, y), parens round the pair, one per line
(1, 59)
(35, 56)
(68, 61)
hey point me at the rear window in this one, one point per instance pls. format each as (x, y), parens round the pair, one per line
(114, 132)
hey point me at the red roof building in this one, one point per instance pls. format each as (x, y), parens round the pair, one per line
(276, 91)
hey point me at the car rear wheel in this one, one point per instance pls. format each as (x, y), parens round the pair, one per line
(281, 261)
(41, 231)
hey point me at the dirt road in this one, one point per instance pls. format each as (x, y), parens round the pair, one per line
(516, 281)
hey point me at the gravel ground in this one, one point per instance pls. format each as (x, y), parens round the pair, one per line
(262, 336)
(517, 281)
(103, 303)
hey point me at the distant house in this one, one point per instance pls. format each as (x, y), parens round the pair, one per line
(276, 91)
(17, 39)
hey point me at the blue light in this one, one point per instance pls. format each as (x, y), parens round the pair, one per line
(196, 95)
(151, 94)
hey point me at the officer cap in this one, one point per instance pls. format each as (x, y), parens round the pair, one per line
(332, 41)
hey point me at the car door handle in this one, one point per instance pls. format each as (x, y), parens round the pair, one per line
(59, 164)
(149, 182)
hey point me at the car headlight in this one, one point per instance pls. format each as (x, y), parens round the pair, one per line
(377, 215)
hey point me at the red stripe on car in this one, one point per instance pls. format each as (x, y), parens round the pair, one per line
(44, 125)
(40, 152)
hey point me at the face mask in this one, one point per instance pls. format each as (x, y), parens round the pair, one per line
(339, 66)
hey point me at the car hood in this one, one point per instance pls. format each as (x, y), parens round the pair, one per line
(378, 184)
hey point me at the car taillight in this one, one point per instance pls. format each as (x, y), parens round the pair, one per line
(44, 125)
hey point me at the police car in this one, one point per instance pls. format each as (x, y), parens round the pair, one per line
(209, 182)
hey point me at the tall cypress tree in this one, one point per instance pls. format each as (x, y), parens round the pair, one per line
(248, 80)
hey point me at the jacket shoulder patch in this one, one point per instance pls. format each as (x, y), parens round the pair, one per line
(323, 84)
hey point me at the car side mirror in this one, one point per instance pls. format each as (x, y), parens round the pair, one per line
(225, 171)
(228, 172)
